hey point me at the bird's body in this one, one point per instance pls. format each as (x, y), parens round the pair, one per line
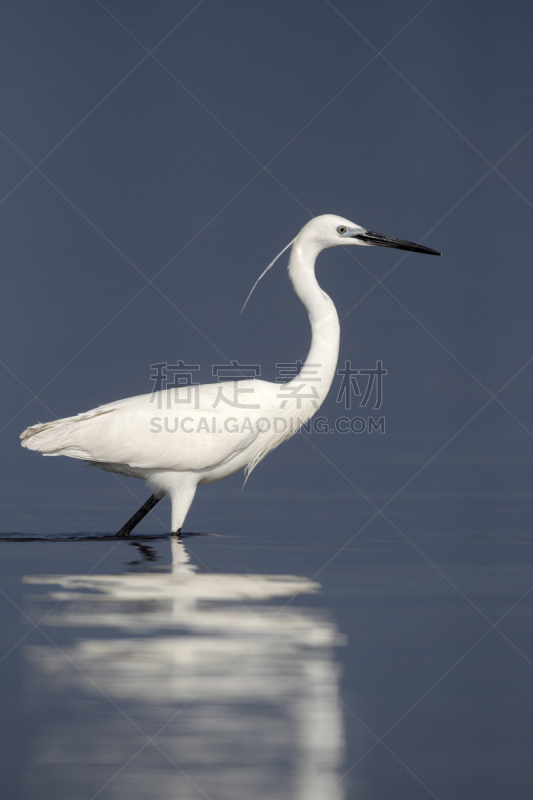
(179, 438)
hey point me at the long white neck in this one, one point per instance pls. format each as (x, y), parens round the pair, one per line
(319, 368)
(300, 398)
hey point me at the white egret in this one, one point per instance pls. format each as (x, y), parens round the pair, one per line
(177, 439)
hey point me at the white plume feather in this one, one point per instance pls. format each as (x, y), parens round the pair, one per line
(266, 270)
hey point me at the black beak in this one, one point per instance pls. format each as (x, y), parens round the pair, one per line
(369, 237)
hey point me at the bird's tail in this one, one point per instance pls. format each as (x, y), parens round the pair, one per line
(58, 438)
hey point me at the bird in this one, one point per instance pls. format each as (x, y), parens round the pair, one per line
(176, 439)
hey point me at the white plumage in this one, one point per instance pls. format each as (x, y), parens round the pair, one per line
(178, 439)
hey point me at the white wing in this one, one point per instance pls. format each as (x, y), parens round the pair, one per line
(196, 428)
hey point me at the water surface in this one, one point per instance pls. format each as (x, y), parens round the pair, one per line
(232, 667)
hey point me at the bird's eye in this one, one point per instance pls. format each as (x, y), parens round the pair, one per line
(341, 229)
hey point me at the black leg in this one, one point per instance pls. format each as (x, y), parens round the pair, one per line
(126, 529)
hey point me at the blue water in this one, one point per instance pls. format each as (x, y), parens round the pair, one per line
(236, 667)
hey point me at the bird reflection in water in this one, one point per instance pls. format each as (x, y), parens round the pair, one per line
(148, 555)
(186, 684)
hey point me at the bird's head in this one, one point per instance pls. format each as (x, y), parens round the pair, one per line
(329, 230)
